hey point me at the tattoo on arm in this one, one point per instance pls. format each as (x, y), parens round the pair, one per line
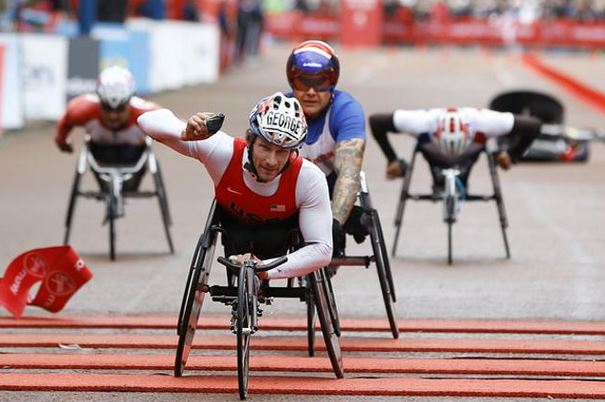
(347, 162)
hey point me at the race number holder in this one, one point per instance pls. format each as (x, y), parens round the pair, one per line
(59, 271)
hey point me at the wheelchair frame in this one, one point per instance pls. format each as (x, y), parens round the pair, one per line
(314, 290)
(115, 177)
(450, 204)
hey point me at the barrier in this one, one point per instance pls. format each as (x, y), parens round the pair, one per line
(402, 29)
(44, 69)
(40, 72)
(11, 85)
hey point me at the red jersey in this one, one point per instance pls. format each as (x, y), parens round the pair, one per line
(248, 207)
(85, 111)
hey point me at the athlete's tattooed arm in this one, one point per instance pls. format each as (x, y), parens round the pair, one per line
(347, 162)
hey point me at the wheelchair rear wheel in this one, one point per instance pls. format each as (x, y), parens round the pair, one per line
(245, 303)
(163, 201)
(331, 303)
(331, 340)
(193, 300)
(75, 188)
(310, 302)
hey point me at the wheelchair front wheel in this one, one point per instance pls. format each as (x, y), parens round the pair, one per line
(111, 217)
(245, 302)
(331, 340)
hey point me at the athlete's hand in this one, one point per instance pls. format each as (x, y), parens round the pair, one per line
(396, 169)
(196, 127)
(504, 160)
(64, 146)
(241, 258)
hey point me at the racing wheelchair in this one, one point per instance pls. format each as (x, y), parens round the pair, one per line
(368, 220)
(451, 196)
(118, 181)
(244, 293)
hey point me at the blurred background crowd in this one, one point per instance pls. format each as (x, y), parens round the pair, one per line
(25, 14)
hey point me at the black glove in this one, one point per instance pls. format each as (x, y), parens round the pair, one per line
(355, 225)
(338, 239)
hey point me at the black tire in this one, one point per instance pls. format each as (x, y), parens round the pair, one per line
(164, 210)
(331, 340)
(193, 301)
(245, 302)
(381, 256)
(385, 255)
(450, 206)
(310, 301)
(331, 303)
(111, 217)
(449, 243)
(75, 188)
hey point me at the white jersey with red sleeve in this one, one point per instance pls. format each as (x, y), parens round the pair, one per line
(487, 122)
(85, 111)
(311, 197)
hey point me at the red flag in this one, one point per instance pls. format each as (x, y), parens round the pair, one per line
(61, 271)
(64, 278)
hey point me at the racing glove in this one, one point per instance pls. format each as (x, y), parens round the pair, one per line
(355, 225)
(338, 239)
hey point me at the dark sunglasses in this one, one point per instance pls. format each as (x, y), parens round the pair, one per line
(107, 108)
(318, 83)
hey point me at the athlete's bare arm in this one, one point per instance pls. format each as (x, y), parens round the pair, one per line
(347, 163)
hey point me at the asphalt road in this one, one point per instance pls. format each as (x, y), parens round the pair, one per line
(555, 210)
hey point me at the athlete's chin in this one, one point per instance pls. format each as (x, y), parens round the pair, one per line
(267, 175)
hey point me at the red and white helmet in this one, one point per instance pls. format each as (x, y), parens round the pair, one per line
(115, 87)
(279, 120)
(453, 135)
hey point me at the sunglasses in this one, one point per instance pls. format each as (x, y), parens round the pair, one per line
(107, 108)
(318, 83)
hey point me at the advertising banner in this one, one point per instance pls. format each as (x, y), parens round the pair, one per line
(361, 23)
(124, 47)
(193, 61)
(200, 62)
(44, 75)
(11, 92)
(82, 66)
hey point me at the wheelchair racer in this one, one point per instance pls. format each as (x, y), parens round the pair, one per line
(109, 117)
(262, 185)
(337, 137)
(454, 137)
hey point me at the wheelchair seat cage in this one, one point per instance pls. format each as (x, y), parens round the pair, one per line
(451, 198)
(112, 190)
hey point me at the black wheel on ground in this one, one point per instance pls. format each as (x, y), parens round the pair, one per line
(245, 303)
(194, 299)
(331, 340)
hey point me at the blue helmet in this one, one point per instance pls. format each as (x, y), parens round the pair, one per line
(313, 63)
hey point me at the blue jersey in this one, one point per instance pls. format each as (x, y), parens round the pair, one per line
(343, 119)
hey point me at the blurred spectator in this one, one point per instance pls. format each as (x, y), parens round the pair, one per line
(154, 9)
(249, 29)
(190, 11)
(112, 10)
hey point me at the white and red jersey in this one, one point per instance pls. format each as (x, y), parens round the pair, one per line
(482, 123)
(248, 207)
(85, 111)
(301, 189)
